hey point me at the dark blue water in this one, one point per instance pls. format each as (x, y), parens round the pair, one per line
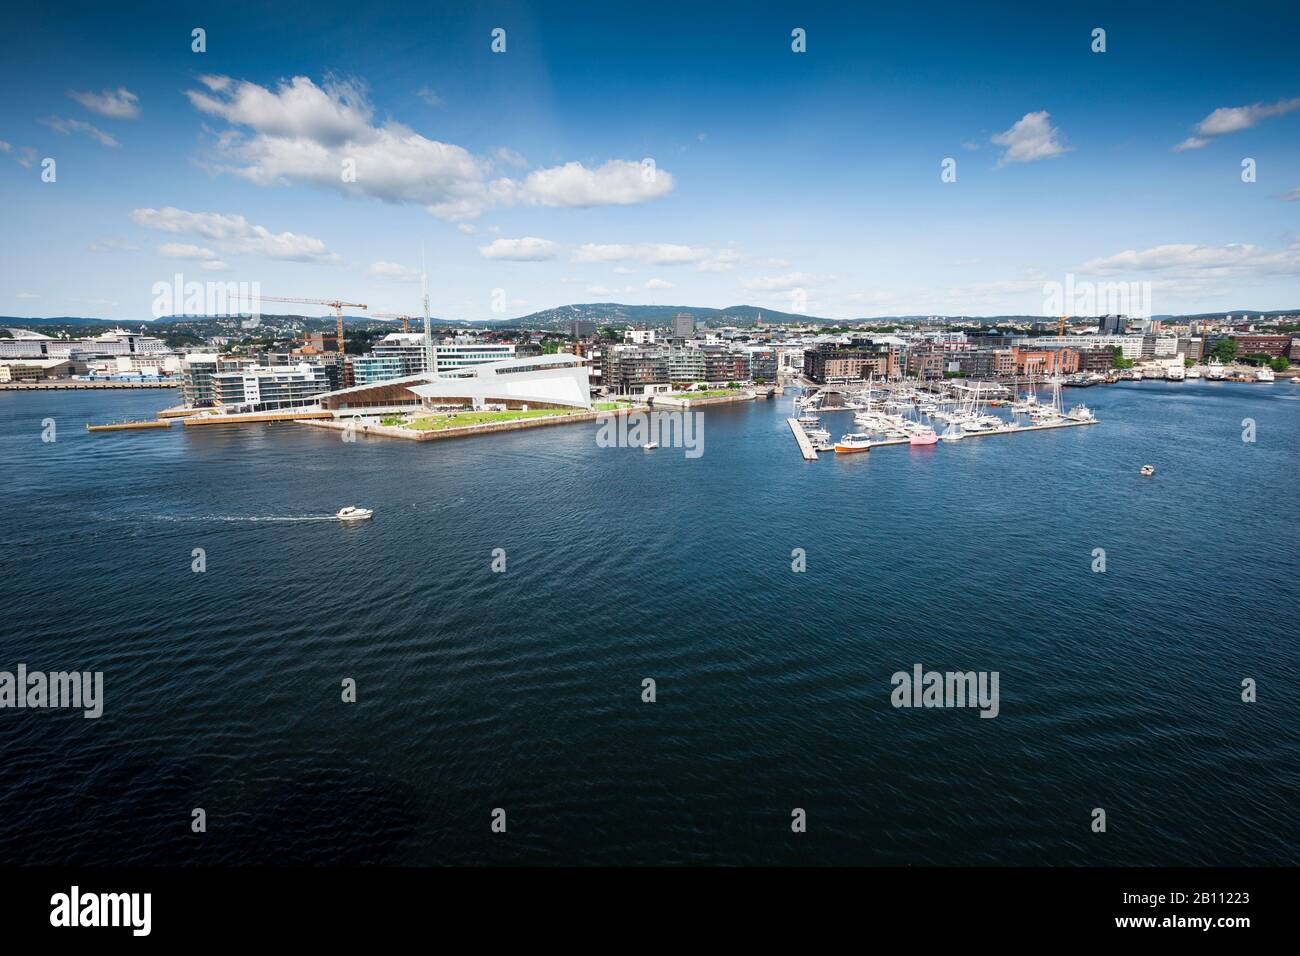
(522, 690)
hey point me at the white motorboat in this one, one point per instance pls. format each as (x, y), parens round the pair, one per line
(953, 433)
(856, 441)
(1081, 413)
(353, 514)
(1263, 374)
(650, 445)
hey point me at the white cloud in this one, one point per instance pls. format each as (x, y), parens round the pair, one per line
(23, 155)
(301, 132)
(27, 295)
(617, 183)
(466, 228)
(69, 126)
(724, 261)
(394, 271)
(181, 250)
(1205, 261)
(235, 234)
(430, 97)
(528, 249)
(659, 284)
(1293, 195)
(215, 265)
(115, 104)
(509, 157)
(1031, 138)
(653, 253)
(1233, 119)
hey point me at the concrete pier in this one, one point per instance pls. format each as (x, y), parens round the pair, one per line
(805, 443)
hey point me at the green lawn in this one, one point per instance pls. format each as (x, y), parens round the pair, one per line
(608, 406)
(711, 393)
(437, 423)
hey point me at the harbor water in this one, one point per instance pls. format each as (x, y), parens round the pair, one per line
(522, 689)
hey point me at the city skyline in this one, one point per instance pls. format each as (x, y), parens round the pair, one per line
(649, 158)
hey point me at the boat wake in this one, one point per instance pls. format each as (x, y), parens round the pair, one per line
(241, 518)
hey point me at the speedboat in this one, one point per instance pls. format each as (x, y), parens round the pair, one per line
(855, 441)
(808, 419)
(353, 514)
(650, 445)
(818, 434)
(1147, 470)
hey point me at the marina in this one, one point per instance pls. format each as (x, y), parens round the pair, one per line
(900, 414)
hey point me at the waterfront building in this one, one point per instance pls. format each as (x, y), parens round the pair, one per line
(559, 380)
(402, 354)
(197, 370)
(1276, 346)
(34, 345)
(829, 363)
(1043, 363)
(266, 388)
(627, 370)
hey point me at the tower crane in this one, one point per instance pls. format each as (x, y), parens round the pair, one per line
(334, 304)
(406, 319)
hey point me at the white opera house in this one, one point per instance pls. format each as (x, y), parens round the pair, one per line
(561, 380)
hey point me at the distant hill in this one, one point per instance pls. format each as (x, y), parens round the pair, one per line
(616, 314)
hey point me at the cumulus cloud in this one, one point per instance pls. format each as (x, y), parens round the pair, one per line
(115, 104)
(653, 253)
(69, 126)
(659, 284)
(616, 183)
(1031, 138)
(430, 97)
(301, 132)
(1197, 260)
(528, 249)
(235, 234)
(1233, 119)
(393, 271)
(182, 250)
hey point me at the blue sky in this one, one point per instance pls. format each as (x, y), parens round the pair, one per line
(787, 180)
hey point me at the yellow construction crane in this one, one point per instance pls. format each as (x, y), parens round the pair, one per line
(406, 319)
(1060, 325)
(334, 304)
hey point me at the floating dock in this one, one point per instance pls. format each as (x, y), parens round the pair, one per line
(805, 443)
(127, 426)
(810, 454)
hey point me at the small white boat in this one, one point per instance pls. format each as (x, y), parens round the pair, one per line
(953, 433)
(353, 514)
(650, 445)
(1147, 470)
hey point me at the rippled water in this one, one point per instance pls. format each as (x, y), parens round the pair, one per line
(522, 690)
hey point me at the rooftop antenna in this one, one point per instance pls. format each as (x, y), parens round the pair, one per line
(430, 353)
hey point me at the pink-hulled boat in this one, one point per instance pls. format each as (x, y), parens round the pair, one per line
(924, 436)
